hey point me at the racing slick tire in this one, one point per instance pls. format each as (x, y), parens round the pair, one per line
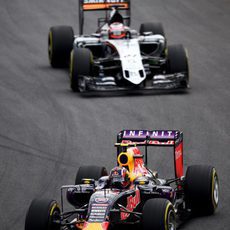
(80, 64)
(42, 214)
(155, 28)
(201, 189)
(90, 172)
(158, 214)
(60, 44)
(178, 61)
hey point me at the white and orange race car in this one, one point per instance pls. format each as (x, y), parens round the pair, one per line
(131, 193)
(116, 57)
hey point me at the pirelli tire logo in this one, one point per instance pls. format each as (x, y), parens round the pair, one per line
(132, 202)
(103, 1)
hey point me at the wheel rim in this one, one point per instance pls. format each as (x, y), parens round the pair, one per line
(215, 190)
(171, 221)
(81, 85)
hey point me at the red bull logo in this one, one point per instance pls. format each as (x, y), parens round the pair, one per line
(132, 202)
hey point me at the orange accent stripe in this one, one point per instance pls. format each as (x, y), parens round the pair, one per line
(101, 6)
(96, 226)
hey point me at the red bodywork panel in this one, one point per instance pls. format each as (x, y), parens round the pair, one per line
(178, 159)
(138, 161)
(132, 202)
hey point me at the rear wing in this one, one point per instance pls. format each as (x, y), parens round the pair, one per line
(164, 138)
(105, 5)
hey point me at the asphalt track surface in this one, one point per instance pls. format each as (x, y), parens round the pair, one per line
(47, 132)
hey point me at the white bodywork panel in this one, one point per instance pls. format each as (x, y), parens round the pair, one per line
(131, 60)
(128, 50)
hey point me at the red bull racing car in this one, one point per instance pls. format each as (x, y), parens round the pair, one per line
(131, 193)
(117, 57)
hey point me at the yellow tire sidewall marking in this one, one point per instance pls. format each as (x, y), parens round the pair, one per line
(166, 215)
(55, 205)
(71, 65)
(214, 178)
(50, 45)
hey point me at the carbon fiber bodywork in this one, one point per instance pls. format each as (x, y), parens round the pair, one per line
(158, 82)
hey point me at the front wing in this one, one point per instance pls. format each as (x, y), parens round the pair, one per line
(158, 82)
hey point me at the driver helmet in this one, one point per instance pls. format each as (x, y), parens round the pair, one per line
(117, 31)
(119, 178)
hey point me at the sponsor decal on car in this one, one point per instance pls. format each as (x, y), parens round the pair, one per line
(101, 200)
(161, 143)
(152, 134)
(132, 202)
(102, 4)
(179, 160)
(97, 212)
(103, 1)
